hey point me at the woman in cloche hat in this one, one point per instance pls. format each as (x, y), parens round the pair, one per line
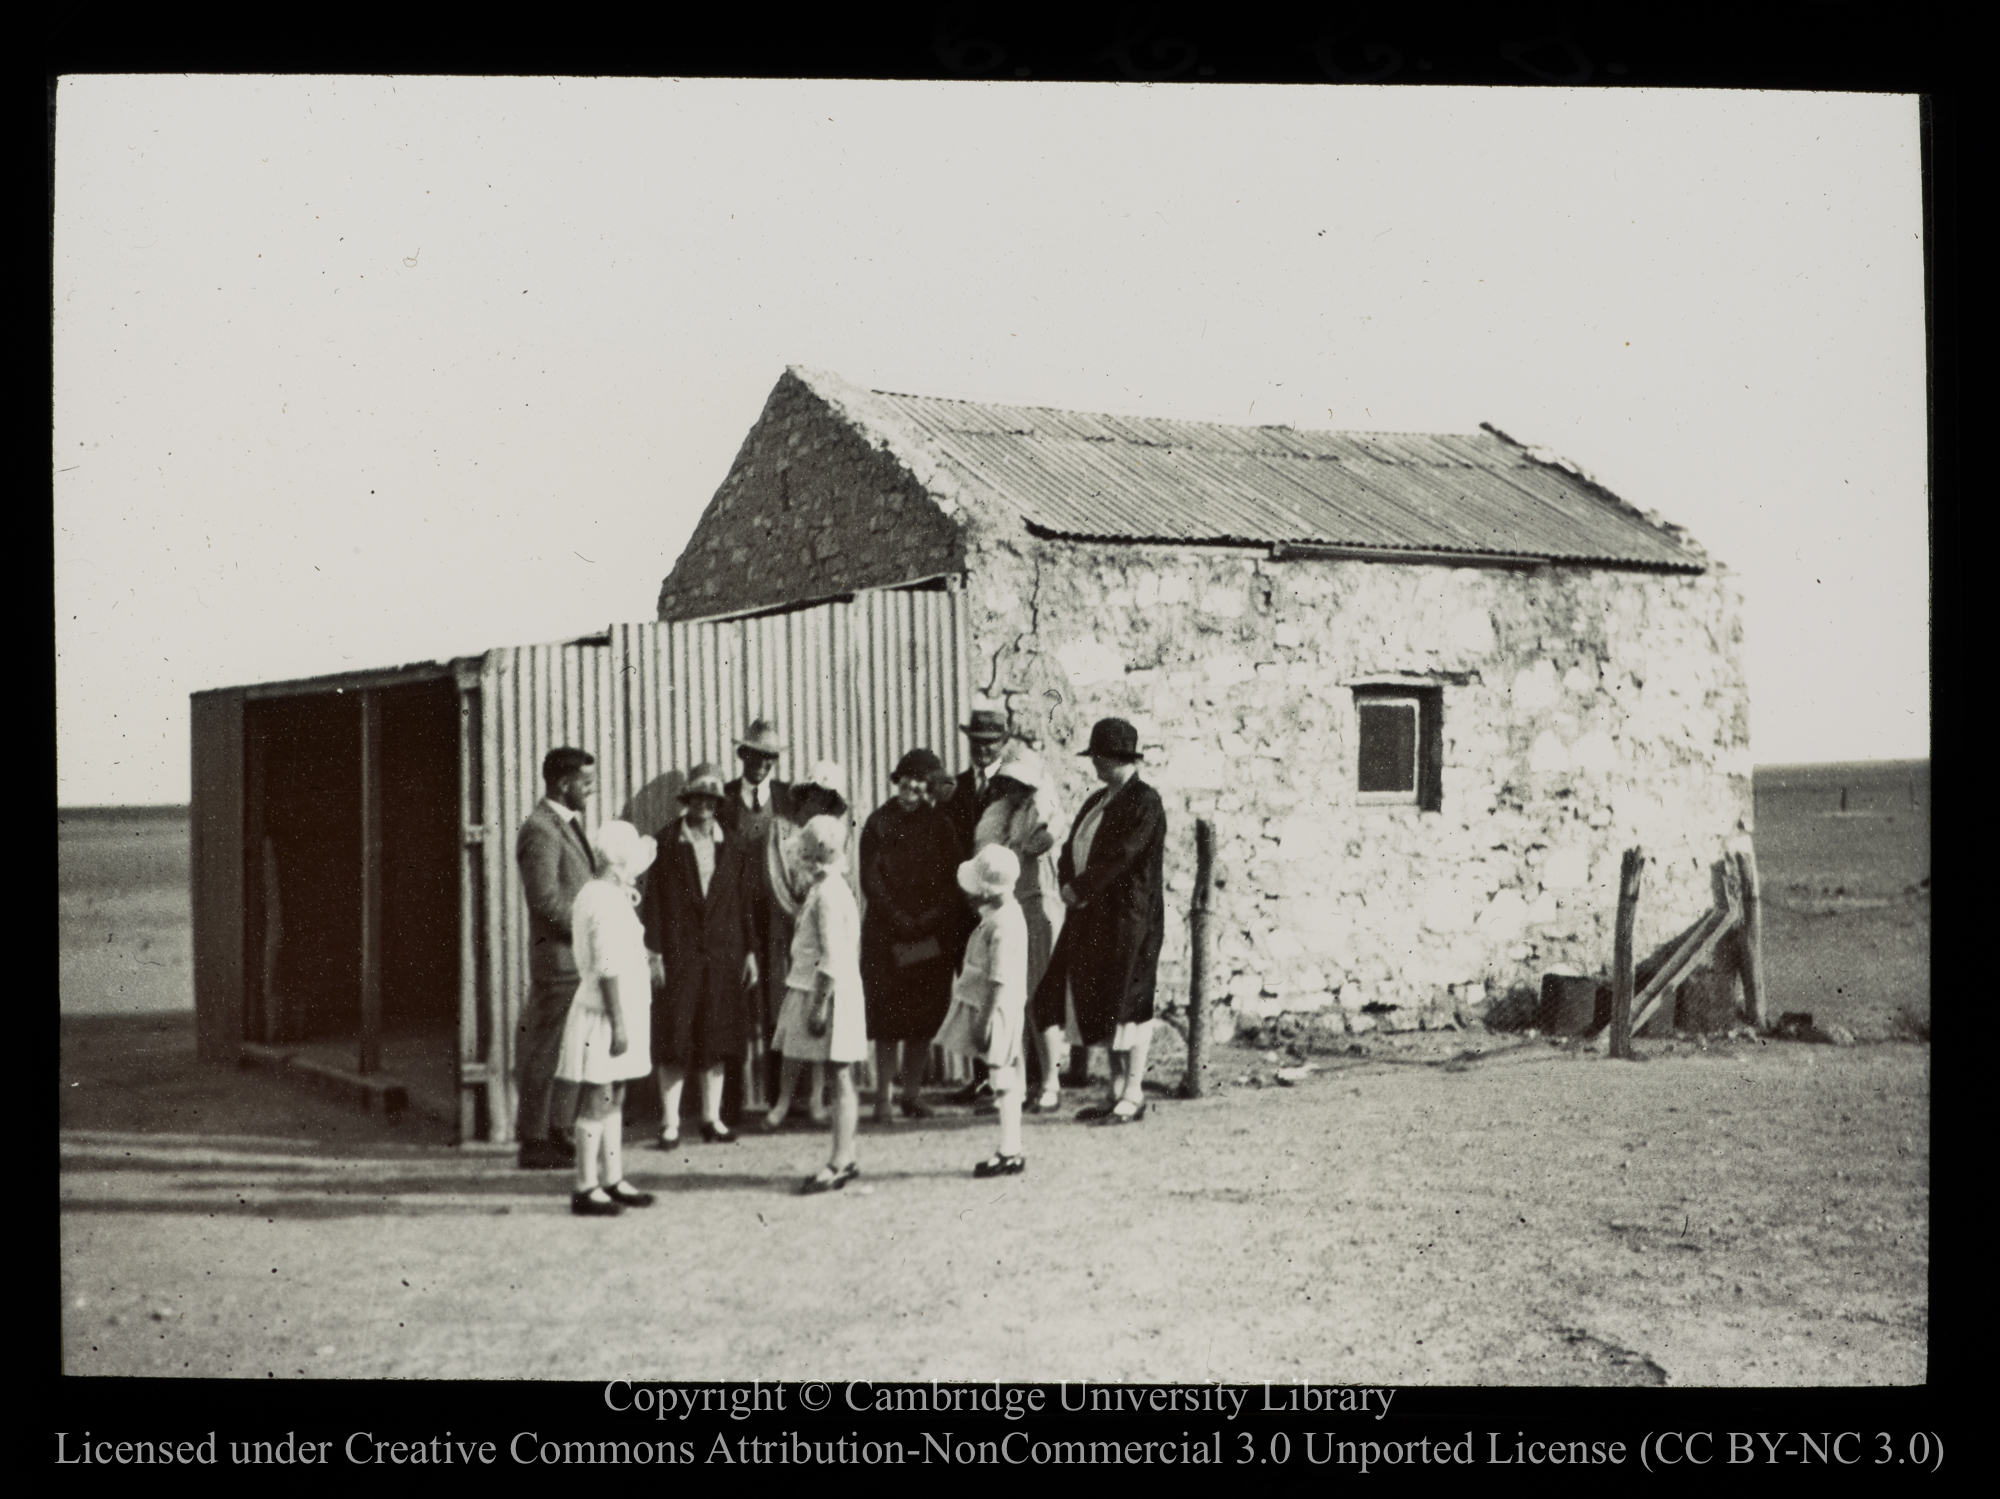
(1101, 977)
(697, 915)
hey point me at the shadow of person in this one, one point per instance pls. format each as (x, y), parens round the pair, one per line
(655, 804)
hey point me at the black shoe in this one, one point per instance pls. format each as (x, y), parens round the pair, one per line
(1001, 1165)
(1094, 1113)
(1112, 1116)
(668, 1141)
(627, 1195)
(587, 1205)
(715, 1134)
(972, 1092)
(542, 1155)
(829, 1179)
(915, 1108)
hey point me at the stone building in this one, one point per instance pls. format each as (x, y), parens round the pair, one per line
(1427, 688)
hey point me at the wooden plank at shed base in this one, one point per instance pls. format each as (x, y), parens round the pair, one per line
(1699, 947)
(373, 1091)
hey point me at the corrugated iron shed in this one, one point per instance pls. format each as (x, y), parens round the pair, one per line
(1083, 476)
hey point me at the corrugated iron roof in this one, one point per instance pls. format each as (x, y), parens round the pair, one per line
(1086, 476)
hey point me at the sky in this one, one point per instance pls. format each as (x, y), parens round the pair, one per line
(350, 372)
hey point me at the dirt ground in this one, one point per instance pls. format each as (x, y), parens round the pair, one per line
(1433, 1208)
(1748, 1213)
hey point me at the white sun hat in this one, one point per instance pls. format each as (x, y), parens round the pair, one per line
(823, 842)
(992, 871)
(622, 844)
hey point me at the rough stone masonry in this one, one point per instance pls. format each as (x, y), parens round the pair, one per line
(1583, 710)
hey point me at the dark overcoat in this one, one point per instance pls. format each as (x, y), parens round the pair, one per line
(703, 1015)
(909, 875)
(963, 811)
(1109, 949)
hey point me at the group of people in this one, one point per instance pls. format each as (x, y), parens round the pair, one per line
(668, 954)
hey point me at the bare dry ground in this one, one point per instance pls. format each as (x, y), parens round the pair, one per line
(1741, 1212)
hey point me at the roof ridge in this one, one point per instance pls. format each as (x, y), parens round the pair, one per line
(1186, 421)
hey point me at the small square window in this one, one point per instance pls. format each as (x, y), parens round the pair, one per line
(1399, 742)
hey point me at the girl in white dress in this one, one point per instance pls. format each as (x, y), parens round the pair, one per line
(990, 999)
(824, 1018)
(608, 1035)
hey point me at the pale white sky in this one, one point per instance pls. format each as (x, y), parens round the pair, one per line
(357, 371)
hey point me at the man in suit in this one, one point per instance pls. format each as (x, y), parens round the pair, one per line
(1105, 965)
(973, 789)
(970, 795)
(556, 861)
(755, 796)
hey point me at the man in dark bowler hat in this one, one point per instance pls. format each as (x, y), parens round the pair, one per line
(1103, 971)
(556, 861)
(757, 795)
(970, 794)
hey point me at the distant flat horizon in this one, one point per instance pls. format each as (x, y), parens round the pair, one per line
(169, 809)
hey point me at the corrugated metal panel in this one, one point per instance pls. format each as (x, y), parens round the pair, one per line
(857, 683)
(537, 697)
(215, 870)
(1081, 474)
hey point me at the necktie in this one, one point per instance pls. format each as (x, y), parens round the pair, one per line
(588, 852)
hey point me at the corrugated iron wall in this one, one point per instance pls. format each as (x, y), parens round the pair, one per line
(215, 870)
(534, 698)
(857, 683)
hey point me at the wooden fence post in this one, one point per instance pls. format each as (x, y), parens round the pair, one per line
(1755, 999)
(1630, 871)
(1192, 1085)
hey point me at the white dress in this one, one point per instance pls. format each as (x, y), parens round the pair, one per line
(608, 940)
(997, 951)
(826, 939)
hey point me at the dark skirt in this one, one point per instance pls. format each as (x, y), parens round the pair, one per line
(904, 1003)
(696, 1025)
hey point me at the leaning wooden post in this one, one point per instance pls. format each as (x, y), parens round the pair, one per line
(1197, 1016)
(1755, 1000)
(1629, 872)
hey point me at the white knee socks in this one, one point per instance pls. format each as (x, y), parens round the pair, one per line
(613, 1127)
(589, 1139)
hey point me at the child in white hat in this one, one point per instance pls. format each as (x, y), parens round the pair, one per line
(824, 1018)
(607, 1037)
(990, 997)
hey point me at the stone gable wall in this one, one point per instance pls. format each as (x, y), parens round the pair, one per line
(810, 509)
(1583, 711)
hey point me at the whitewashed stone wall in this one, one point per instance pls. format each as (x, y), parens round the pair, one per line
(1583, 712)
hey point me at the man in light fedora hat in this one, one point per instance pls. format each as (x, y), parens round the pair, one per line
(755, 796)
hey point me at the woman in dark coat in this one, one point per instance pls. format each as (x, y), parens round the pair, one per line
(909, 876)
(696, 910)
(1102, 973)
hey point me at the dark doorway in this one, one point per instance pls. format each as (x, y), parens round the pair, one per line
(304, 867)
